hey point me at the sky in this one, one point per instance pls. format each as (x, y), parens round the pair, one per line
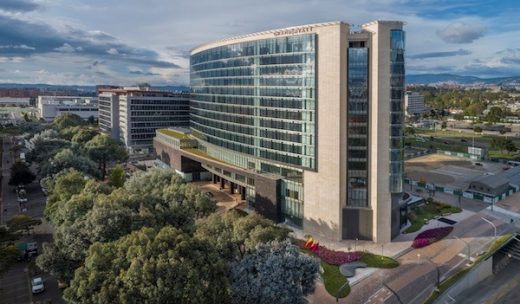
(125, 42)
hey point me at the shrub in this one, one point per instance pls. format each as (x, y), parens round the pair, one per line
(430, 236)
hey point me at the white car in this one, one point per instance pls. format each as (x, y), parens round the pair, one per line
(37, 285)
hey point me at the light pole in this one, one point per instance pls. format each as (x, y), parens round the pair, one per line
(491, 223)
(355, 245)
(467, 244)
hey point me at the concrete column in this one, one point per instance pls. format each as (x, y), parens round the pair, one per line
(231, 188)
(221, 183)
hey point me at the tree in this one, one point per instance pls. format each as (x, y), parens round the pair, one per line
(102, 149)
(8, 252)
(21, 223)
(65, 159)
(495, 114)
(67, 120)
(274, 273)
(83, 135)
(45, 145)
(149, 266)
(234, 235)
(21, 174)
(117, 177)
(61, 187)
(444, 125)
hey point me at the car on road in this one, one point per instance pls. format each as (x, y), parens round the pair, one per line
(37, 285)
(208, 194)
(478, 164)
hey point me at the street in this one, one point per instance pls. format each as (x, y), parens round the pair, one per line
(15, 284)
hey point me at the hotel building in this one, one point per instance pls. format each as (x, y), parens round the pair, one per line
(132, 114)
(306, 123)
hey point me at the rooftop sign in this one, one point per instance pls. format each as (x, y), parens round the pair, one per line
(292, 31)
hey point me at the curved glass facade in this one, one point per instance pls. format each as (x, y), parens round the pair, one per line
(397, 40)
(258, 98)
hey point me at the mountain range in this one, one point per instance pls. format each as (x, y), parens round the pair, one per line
(410, 79)
(451, 78)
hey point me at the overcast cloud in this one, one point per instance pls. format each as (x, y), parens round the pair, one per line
(124, 42)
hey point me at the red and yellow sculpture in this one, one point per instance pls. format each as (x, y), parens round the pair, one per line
(312, 245)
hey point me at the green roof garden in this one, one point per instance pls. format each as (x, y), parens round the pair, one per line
(173, 133)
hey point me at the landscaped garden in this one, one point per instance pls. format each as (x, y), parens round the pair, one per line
(420, 215)
(331, 260)
(431, 236)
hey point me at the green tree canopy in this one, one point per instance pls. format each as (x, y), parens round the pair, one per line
(233, 235)
(117, 177)
(22, 223)
(274, 273)
(102, 149)
(67, 120)
(168, 266)
(21, 174)
(65, 159)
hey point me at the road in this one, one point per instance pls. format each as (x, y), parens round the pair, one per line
(416, 277)
(15, 284)
(503, 288)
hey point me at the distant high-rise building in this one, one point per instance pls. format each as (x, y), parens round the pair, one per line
(414, 103)
(305, 123)
(132, 114)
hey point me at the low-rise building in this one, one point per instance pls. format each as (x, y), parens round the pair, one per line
(50, 107)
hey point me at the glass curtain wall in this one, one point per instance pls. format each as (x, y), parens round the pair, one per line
(258, 98)
(357, 128)
(397, 72)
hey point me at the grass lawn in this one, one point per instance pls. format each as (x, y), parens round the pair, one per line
(378, 261)
(333, 279)
(419, 215)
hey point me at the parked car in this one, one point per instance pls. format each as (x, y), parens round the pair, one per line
(208, 194)
(478, 164)
(463, 140)
(37, 285)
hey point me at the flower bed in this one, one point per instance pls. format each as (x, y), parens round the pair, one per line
(430, 236)
(330, 256)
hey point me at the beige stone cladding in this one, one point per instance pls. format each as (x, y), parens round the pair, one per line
(325, 189)
(379, 122)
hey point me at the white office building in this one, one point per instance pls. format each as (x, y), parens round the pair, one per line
(414, 103)
(50, 107)
(132, 114)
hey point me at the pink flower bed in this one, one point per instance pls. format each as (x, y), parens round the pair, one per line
(430, 236)
(333, 257)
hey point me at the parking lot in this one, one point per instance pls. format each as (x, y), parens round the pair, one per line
(449, 171)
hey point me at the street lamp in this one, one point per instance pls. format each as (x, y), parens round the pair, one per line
(467, 244)
(491, 223)
(355, 245)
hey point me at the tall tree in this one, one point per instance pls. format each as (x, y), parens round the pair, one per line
(22, 223)
(65, 159)
(67, 120)
(8, 252)
(117, 177)
(274, 273)
(21, 174)
(167, 266)
(103, 149)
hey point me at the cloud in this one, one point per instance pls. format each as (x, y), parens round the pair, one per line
(510, 56)
(20, 47)
(18, 5)
(459, 52)
(138, 72)
(43, 38)
(65, 48)
(113, 51)
(462, 32)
